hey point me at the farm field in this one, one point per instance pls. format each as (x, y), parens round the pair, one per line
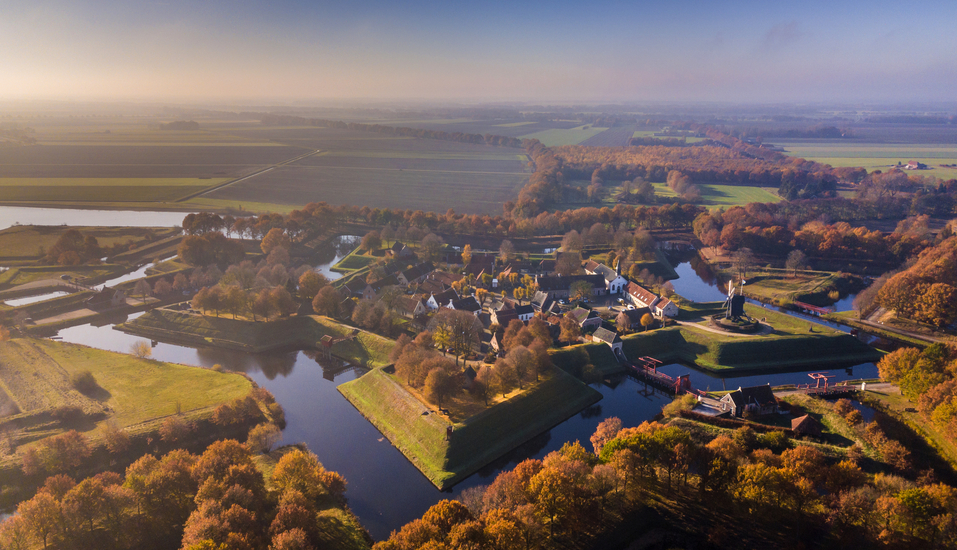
(383, 171)
(137, 161)
(569, 136)
(612, 137)
(874, 155)
(651, 134)
(101, 190)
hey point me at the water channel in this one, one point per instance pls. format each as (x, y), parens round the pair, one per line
(384, 489)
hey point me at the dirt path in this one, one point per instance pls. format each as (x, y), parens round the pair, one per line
(765, 329)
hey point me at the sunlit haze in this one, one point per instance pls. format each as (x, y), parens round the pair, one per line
(472, 51)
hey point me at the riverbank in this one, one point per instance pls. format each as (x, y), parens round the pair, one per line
(298, 332)
(420, 434)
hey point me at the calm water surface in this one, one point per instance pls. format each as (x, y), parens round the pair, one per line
(24, 215)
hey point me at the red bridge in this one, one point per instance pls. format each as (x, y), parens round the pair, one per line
(646, 368)
(814, 309)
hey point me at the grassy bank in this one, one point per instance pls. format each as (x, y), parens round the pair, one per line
(476, 441)
(254, 337)
(24, 242)
(718, 353)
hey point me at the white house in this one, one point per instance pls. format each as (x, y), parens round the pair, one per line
(615, 283)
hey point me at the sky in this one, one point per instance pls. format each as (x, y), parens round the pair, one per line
(478, 51)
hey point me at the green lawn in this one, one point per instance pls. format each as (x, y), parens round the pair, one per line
(724, 195)
(293, 332)
(475, 442)
(571, 136)
(36, 375)
(786, 347)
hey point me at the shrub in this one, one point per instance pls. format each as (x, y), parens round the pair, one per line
(263, 437)
(84, 382)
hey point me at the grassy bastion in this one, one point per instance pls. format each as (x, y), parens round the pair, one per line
(295, 332)
(476, 441)
(722, 354)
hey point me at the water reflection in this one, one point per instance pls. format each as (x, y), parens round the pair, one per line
(329, 256)
(26, 215)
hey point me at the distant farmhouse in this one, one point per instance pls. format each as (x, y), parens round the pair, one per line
(640, 296)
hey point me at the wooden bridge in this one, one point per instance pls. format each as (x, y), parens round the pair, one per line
(646, 368)
(827, 389)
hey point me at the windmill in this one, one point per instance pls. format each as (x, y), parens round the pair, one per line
(734, 305)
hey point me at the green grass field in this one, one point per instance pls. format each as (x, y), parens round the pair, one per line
(724, 195)
(475, 442)
(24, 241)
(101, 189)
(293, 332)
(651, 134)
(35, 374)
(789, 345)
(875, 156)
(571, 136)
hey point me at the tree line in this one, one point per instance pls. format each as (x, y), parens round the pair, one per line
(461, 137)
(770, 491)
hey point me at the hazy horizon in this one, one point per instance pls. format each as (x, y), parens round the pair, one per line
(683, 51)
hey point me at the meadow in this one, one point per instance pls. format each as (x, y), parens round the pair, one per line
(875, 155)
(565, 136)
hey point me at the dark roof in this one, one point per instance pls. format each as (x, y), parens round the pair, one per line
(391, 280)
(504, 315)
(606, 336)
(546, 266)
(397, 246)
(805, 424)
(635, 315)
(601, 269)
(466, 304)
(417, 271)
(759, 395)
(469, 373)
(580, 314)
(524, 310)
(564, 283)
(356, 285)
(103, 296)
(443, 298)
(390, 268)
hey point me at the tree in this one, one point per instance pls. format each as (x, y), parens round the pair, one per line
(174, 429)
(371, 242)
(141, 349)
(523, 361)
(438, 386)
(647, 320)
(162, 287)
(142, 288)
(506, 251)
(298, 470)
(579, 290)
(282, 301)
(263, 437)
(505, 376)
(430, 247)
(310, 283)
(572, 242)
(570, 330)
(467, 254)
(63, 452)
(796, 260)
(275, 238)
(326, 302)
(569, 263)
(742, 261)
(41, 515)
